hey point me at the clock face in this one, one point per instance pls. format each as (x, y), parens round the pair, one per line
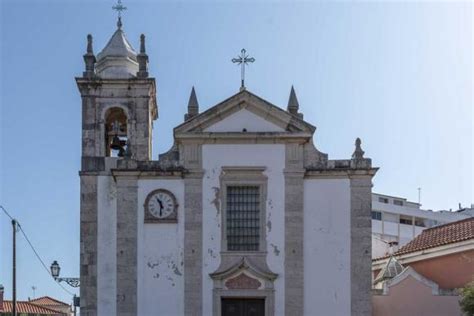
(160, 204)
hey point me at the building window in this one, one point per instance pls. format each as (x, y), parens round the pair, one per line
(383, 200)
(420, 222)
(407, 220)
(115, 132)
(398, 202)
(377, 215)
(243, 218)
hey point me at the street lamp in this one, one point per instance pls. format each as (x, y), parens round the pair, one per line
(55, 269)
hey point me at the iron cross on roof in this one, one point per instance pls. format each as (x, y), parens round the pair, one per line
(119, 7)
(243, 59)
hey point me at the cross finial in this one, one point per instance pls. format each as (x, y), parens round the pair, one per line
(119, 7)
(243, 59)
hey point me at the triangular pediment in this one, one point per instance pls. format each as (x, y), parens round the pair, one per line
(244, 120)
(245, 112)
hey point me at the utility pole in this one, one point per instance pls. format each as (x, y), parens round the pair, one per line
(14, 223)
(74, 299)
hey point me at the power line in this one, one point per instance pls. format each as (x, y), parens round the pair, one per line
(34, 250)
(6, 212)
(39, 258)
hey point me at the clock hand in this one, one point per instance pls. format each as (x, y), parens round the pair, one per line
(161, 205)
(159, 202)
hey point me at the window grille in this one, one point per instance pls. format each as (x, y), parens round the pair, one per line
(243, 218)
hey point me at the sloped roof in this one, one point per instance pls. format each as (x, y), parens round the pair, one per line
(438, 236)
(118, 46)
(47, 300)
(29, 308)
(255, 103)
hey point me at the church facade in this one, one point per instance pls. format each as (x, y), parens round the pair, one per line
(242, 216)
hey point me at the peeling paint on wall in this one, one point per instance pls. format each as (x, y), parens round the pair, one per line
(211, 253)
(161, 255)
(176, 270)
(217, 200)
(276, 251)
(152, 265)
(269, 222)
(167, 264)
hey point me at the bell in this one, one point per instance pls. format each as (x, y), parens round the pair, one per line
(116, 143)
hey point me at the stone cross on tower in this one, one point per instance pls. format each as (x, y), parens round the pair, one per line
(119, 7)
(243, 59)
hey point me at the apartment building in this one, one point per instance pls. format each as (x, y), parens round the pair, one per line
(396, 221)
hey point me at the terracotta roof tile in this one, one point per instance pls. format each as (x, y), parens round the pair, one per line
(28, 308)
(438, 236)
(47, 300)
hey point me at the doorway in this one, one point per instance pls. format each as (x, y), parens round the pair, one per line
(243, 307)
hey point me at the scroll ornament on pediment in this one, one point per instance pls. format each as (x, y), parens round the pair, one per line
(242, 281)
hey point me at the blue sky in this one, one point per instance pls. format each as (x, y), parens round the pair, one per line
(397, 74)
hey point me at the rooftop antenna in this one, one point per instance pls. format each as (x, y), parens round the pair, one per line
(34, 291)
(419, 196)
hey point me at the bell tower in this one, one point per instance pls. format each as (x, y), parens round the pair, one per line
(118, 110)
(118, 101)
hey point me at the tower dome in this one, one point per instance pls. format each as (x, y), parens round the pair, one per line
(118, 59)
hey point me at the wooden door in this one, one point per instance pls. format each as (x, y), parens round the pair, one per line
(243, 307)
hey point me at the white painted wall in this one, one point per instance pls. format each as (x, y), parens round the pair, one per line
(390, 228)
(377, 227)
(216, 156)
(327, 247)
(236, 122)
(160, 255)
(106, 246)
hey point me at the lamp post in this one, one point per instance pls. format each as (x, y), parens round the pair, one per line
(55, 269)
(14, 224)
(73, 282)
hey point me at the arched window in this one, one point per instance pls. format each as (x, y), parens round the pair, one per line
(115, 132)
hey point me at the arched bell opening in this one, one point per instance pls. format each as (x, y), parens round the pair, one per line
(116, 132)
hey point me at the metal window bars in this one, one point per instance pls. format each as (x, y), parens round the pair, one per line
(243, 218)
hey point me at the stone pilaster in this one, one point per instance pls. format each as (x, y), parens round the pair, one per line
(193, 244)
(127, 212)
(88, 290)
(294, 216)
(361, 245)
(192, 161)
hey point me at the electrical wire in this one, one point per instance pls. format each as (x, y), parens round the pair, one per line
(6, 212)
(34, 250)
(39, 258)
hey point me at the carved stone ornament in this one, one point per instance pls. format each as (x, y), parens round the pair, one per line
(243, 281)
